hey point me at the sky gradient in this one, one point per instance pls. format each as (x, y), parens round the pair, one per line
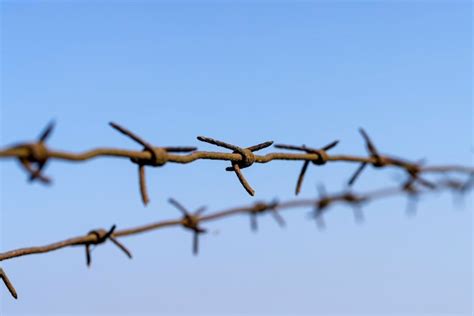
(292, 72)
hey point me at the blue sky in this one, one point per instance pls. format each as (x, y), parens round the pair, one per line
(302, 72)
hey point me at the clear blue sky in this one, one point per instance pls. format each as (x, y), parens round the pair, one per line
(306, 72)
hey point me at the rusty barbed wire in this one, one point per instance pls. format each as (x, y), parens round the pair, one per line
(101, 236)
(322, 158)
(34, 156)
(260, 208)
(192, 221)
(158, 157)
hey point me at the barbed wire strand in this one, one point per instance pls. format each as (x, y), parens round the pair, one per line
(192, 221)
(34, 156)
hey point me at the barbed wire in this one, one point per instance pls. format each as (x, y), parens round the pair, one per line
(192, 221)
(34, 156)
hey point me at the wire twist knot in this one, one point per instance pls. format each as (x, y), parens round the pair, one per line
(377, 160)
(37, 155)
(322, 158)
(100, 236)
(191, 221)
(158, 157)
(262, 207)
(247, 158)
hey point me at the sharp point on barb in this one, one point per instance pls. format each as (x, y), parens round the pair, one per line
(356, 174)
(247, 160)
(8, 284)
(278, 218)
(101, 236)
(218, 143)
(372, 149)
(322, 158)
(262, 207)
(253, 222)
(190, 221)
(178, 205)
(331, 145)
(182, 149)
(121, 247)
(242, 180)
(358, 215)
(321, 190)
(260, 146)
(367, 139)
(110, 232)
(318, 216)
(200, 211)
(142, 185)
(133, 136)
(47, 131)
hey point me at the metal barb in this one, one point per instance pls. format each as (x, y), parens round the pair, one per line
(369, 144)
(261, 208)
(320, 206)
(179, 206)
(242, 179)
(158, 157)
(8, 284)
(248, 158)
(318, 216)
(37, 157)
(142, 185)
(378, 160)
(133, 136)
(141, 164)
(412, 204)
(101, 236)
(253, 222)
(357, 173)
(414, 172)
(321, 160)
(191, 222)
(182, 149)
(46, 132)
(358, 214)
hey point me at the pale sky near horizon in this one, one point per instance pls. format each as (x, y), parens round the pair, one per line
(293, 72)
